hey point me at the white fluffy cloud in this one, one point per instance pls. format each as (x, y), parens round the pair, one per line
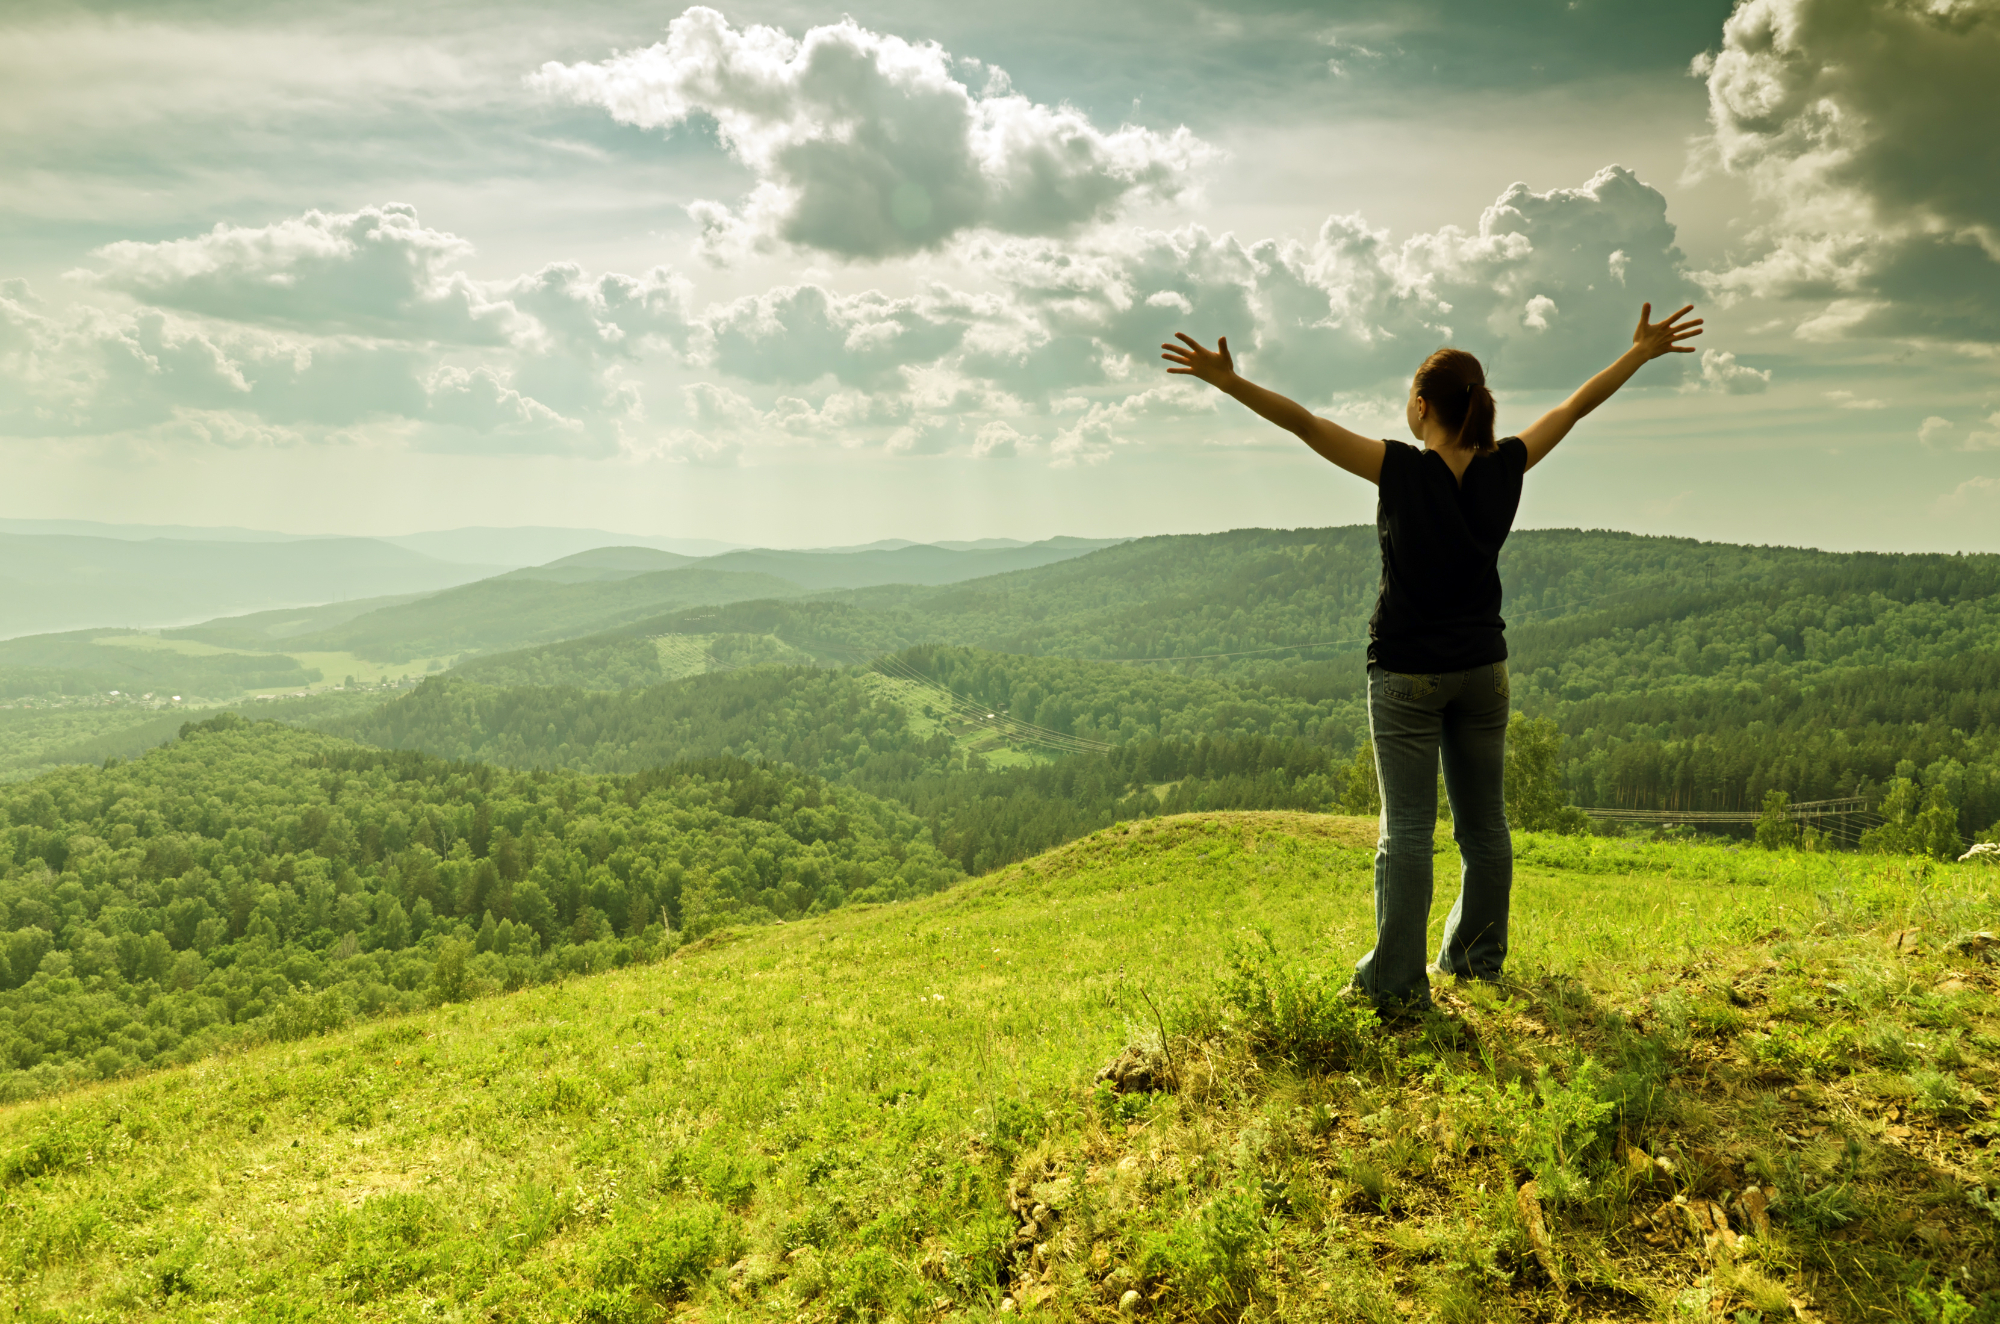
(801, 333)
(1939, 432)
(1974, 494)
(378, 271)
(1872, 130)
(1721, 373)
(869, 146)
(326, 321)
(1546, 288)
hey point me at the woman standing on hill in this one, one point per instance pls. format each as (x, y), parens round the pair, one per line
(1437, 649)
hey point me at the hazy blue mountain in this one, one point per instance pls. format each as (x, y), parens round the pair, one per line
(603, 563)
(534, 545)
(271, 629)
(56, 582)
(509, 611)
(917, 563)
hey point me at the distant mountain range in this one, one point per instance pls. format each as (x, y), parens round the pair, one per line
(608, 587)
(65, 575)
(58, 582)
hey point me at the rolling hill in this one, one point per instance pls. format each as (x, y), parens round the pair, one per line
(509, 611)
(1711, 1089)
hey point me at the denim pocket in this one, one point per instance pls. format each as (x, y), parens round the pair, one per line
(1500, 680)
(1397, 685)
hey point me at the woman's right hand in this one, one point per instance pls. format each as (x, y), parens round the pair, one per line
(1653, 339)
(1214, 366)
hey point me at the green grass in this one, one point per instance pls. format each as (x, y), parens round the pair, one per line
(848, 1118)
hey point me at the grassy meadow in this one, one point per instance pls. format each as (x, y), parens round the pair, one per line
(1720, 1084)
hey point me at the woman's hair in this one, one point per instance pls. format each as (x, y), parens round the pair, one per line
(1455, 385)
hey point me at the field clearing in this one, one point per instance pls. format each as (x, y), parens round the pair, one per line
(334, 668)
(683, 654)
(836, 1118)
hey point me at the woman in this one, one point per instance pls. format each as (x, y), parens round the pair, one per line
(1437, 672)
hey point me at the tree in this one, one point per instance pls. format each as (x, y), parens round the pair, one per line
(1537, 800)
(1916, 821)
(1775, 829)
(1361, 792)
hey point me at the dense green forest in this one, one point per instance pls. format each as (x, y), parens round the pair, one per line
(1682, 674)
(572, 804)
(253, 878)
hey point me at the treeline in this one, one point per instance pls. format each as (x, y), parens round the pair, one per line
(250, 877)
(984, 820)
(1853, 732)
(823, 722)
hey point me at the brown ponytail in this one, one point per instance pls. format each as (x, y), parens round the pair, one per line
(1454, 384)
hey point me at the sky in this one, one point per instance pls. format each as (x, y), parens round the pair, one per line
(801, 275)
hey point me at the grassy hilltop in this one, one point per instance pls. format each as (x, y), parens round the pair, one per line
(888, 1112)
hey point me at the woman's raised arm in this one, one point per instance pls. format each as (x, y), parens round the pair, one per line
(1651, 340)
(1359, 455)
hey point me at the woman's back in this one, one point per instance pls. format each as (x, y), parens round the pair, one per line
(1441, 536)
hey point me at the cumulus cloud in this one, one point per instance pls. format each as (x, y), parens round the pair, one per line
(997, 440)
(1102, 425)
(1986, 438)
(1057, 348)
(1721, 373)
(1933, 429)
(1546, 290)
(378, 271)
(800, 333)
(869, 146)
(1872, 130)
(328, 319)
(1976, 493)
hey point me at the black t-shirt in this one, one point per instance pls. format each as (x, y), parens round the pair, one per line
(1440, 604)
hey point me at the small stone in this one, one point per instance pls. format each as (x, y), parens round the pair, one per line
(1905, 941)
(1006, 1305)
(1755, 1209)
(1128, 1304)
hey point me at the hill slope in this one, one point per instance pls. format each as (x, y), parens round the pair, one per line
(509, 611)
(888, 1113)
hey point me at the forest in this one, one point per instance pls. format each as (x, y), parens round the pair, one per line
(171, 883)
(253, 879)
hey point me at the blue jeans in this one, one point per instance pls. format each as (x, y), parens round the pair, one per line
(1413, 719)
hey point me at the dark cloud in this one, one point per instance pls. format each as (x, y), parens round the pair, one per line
(1872, 128)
